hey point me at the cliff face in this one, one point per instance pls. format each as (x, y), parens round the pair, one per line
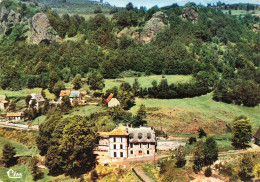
(156, 24)
(190, 13)
(41, 30)
(8, 19)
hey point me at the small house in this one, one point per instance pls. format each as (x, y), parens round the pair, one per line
(15, 117)
(257, 137)
(38, 98)
(112, 102)
(64, 93)
(3, 102)
(75, 95)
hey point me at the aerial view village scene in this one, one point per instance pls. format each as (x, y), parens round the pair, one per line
(129, 90)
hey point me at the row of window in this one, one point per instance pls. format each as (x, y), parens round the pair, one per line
(120, 139)
(121, 146)
(140, 136)
(121, 154)
(131, 136)
(140, 145)
(132, 145)
(140, 152)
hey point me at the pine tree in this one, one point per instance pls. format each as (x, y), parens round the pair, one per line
(8, 154)
(77, 82)
(136, 87)
(210, 151)
(242, 132)
(35, 171)
(54, 78)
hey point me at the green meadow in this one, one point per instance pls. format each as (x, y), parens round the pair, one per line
(179, 114)
(146, 81)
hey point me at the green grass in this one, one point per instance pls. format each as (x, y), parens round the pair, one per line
(27, 177)
(178, 114)
(84, 111)
(146, 81)
(23, 93)
(150, 171)
(39, 119)
(20, 148)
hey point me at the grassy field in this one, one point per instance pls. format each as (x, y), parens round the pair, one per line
(23, 93)
(83, 111)
(20, 148)
(187, 115)
(146, 81)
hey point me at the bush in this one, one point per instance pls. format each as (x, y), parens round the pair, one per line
(208, 172)
(192, 140)
(202, 133)
(8, 154)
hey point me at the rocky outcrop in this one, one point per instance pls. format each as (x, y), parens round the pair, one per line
(42, 30)
(135, 34)
(8, 19)
(190, 13)
(156, 24)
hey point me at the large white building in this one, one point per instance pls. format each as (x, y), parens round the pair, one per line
(125, 142)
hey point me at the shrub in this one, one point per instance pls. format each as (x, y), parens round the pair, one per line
(208, 172)
(192, 140)
(202, 133)
(8, 154)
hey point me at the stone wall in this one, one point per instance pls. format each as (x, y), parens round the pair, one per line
(168, 145)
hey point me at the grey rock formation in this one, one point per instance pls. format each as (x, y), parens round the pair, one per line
(156, 24)
(42, 30)
(190, 13)
(8, 20)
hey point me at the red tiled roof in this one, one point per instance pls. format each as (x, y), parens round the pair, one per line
(65, 93)
(14, 114)
(110, 97)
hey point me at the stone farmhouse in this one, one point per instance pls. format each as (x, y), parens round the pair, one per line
(3, 102)
(127, 142)
(38, 98)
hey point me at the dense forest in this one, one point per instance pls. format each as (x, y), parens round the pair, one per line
(220, 51)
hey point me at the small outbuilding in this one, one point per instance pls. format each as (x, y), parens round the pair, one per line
(257, 137)
(75, 95)
(112, 102)
(64, 93)
(15, 117)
